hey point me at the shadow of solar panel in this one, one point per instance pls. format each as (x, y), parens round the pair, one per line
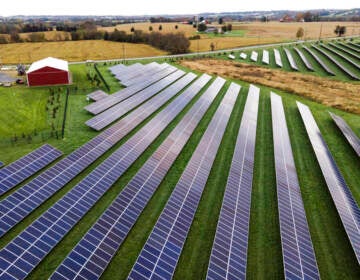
(123, 94)
(345, 203)
(349, 134)
(350, 61)
(318, 60)
(228, 257)
(120, 216)
(304, 59)
(162, 250)
(278, 61)
(107, 117)
(25, 167)
(291, 60)
(298, 252)
(51, 227)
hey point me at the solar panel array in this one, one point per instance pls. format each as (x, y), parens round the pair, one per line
(25, 167)
(243, 55)
(140, 71)
(254, 56)
(26, 251)
(342, 48)
(292, 62)
(298, 252)
(278, 61)
(338, 64)
(1, 164)
(115, 223)
(97, 95)
(266, 57)
(107, 117)
(22, 202)
(318, 60)
(123, 94)
(352, 46)
(147, 74)
(121, 71)
(349, 134)
(159, 256)
(350, 61)
(345, 203)
(304, 59)
(229, 251)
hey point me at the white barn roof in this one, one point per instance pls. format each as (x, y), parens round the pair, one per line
(49, 62)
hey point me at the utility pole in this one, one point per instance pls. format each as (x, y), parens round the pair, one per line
(320, 32)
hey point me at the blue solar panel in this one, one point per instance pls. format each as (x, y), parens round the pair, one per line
(298, 252)
(318, 60)
(162, 250)
(19, 204)
(25, 167)
(344, 201)
(292, 62)
(107, 117)
(338, 64)
(304, 59)
(1, 164)
(97, 95)
(120, 216)
(229, 251)
(123, 94)
(51, 227)
(350, 136)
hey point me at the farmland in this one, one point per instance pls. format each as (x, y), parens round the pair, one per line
(333, 252)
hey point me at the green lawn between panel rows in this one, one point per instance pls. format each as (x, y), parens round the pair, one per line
(335, 257)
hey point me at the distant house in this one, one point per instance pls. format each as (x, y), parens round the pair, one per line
(286, 18)
(48, 71)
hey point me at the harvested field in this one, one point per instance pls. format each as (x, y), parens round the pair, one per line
(341, 95)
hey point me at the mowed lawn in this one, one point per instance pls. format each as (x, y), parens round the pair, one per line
(74, 51)
(335, 257)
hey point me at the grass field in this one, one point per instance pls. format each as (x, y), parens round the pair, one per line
(335, 257)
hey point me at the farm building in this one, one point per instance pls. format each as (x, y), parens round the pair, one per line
(48, 71)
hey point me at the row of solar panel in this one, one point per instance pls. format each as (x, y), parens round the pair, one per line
(43, 234)
(97, 95)
(25, 167)
(113, 226)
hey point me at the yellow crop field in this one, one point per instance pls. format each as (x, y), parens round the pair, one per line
(74, 51)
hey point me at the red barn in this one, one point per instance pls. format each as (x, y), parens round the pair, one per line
(48, 71)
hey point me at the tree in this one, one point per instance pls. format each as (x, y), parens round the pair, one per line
(176, 27)
(220, 20)
(299, 17)
(264, 19)
(308, 17)
(160, 27)
(340, 30)
(223, 28)
(212, 46)
(150, 28)
(15, 37)
(300, 33)
(229, 27)
(132, 29)
(202, 27)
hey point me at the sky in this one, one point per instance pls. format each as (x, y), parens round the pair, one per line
(152, 7)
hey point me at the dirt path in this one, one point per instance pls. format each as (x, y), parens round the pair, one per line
(341, 95)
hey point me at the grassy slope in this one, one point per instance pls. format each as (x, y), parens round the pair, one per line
(334, 254)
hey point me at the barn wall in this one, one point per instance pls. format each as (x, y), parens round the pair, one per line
(48, 76)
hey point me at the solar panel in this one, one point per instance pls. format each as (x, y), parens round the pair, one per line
(254, 56)
(113, 226)
(344, 201)
(151, 67)
(298, 252)
(162, 250)
(243, 55)
(122, 74)
(47, 231)
(1, 164)
(123, 94)
(356, 46)
(339, 65)
(342, 47)
(278, 61)
(265, 57)
(107, 117)
(350, 61)
(350, 136)
(97, 95)
(318, 60)
(22, 202)
(292, 62)
(304, 59)
(147, 74)
(27, 166)
(228, 257)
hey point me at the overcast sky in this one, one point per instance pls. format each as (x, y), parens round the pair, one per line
(151, 7)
